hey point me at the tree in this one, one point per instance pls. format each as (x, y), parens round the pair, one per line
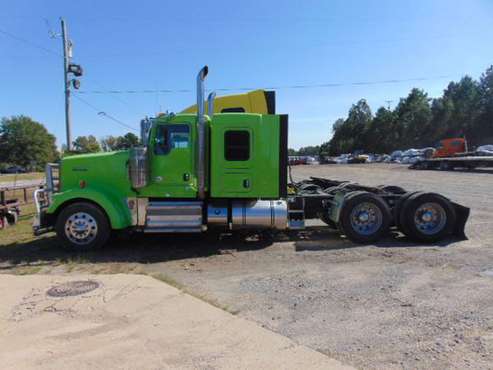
(111, 143)
(309, 150)
(86, 144)
(358, 120)
(26, 143)
(127, 141)
(483, 125)
(382, 133)
(414, 116)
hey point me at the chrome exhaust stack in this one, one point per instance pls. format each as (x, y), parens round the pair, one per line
(201, 131)
(210, 103)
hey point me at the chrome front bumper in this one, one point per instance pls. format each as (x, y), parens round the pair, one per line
(40, 222)
(42, 199)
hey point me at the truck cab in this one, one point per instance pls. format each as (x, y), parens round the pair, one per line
(192, 172)
(450, 147)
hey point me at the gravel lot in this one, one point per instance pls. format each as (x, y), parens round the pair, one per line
(391, 305)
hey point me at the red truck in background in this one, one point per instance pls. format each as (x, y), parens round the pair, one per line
(450, 147)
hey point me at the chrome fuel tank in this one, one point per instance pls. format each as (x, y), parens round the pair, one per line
(260, 213)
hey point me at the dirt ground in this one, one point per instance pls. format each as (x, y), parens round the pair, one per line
(395, 304)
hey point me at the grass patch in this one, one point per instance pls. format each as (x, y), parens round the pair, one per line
(22, 176)
(27, 270)
(21, 232)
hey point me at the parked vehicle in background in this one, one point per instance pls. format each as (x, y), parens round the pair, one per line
(342, 159)
(450, 147)
(395, 155)
(453, 153)
(296, 160)
(13, 170)
(312, 160)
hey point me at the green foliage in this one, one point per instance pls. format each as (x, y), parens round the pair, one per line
(112, 143)
(309, 150)
(86, 144)
(465, 108)
(26, 143)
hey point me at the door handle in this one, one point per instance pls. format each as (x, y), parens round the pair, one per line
(246, 183)
(186, 177)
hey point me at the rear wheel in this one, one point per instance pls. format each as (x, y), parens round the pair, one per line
(396, 212)
(427, 217)
(364, 217)
(82, 226)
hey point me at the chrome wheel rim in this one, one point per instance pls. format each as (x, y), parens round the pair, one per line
(81, 228)
(366, 218)
(430, 218)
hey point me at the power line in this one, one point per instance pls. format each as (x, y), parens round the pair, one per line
(281, 87)
(30, 43)
(104, 114)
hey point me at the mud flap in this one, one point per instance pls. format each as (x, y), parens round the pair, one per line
(462, 214)
(336, 206)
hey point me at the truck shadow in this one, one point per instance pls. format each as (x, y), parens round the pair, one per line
(146, 249)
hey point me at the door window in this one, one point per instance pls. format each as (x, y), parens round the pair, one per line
(172, 137)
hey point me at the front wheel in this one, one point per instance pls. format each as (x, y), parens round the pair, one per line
(82, 226)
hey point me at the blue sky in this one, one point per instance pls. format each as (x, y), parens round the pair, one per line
(149, 45)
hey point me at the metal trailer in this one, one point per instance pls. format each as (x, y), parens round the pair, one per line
(469, 162)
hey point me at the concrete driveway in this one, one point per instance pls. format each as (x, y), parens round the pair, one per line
(132, 322)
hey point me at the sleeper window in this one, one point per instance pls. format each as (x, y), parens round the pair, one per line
(237, 145)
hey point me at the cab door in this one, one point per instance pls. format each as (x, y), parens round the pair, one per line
(172, 162)
(233, 156)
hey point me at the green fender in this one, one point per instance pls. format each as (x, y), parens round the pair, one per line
(115, 207)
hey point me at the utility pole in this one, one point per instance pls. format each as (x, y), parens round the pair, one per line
(67, 54)
(69, 68)
(388, 103)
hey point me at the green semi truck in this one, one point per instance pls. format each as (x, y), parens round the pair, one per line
(222, 171)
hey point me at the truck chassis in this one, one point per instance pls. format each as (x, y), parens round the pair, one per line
(364, 214)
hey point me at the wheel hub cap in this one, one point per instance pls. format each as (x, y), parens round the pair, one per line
(430, 218)
(81, 228)
(366, 218)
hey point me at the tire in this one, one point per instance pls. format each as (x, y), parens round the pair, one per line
(421, 205)
(358, 206)
(82, 227)
(396, 212)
